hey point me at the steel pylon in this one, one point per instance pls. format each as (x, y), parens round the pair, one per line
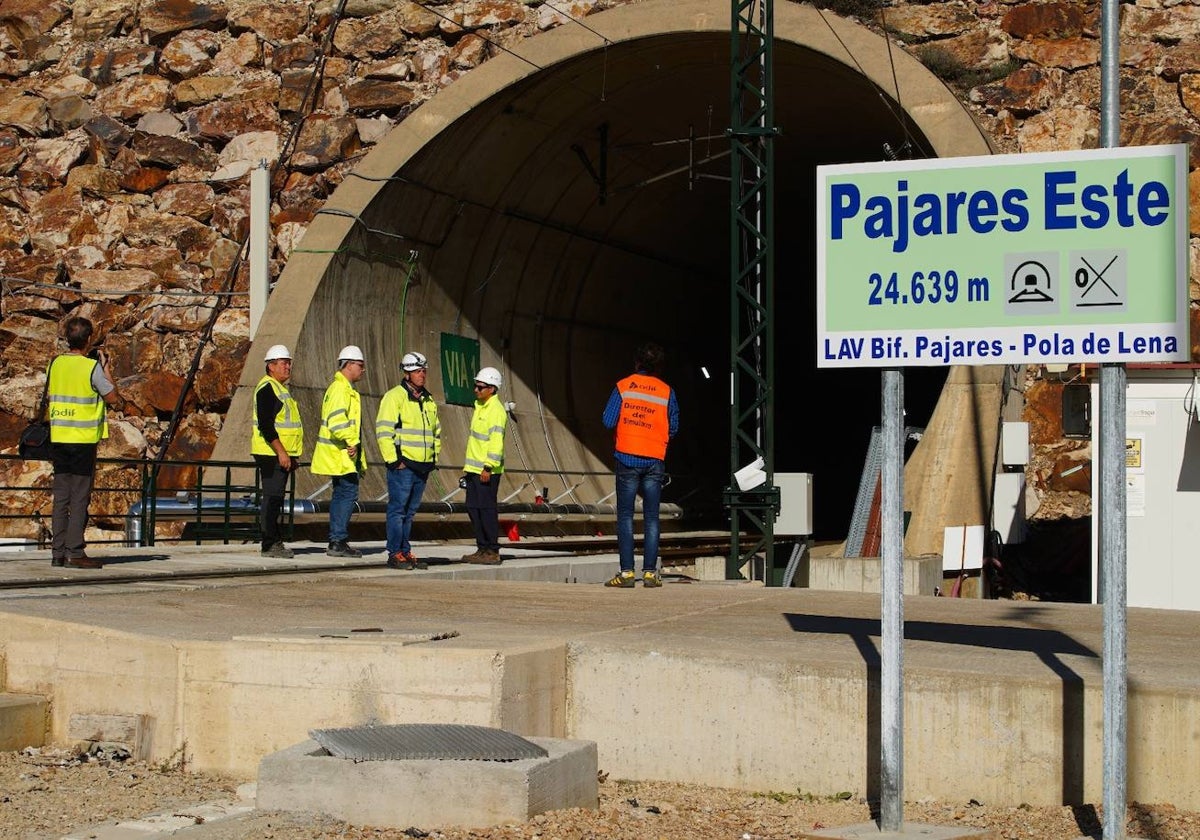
(752, 296)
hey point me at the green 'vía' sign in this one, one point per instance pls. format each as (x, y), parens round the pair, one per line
(460, 363)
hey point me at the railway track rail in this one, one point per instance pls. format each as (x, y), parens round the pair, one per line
(674, 550)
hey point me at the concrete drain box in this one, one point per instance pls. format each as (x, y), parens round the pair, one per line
(429, 793)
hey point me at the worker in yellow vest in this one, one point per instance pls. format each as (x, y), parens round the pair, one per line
(409, 435)
(276, 442)
(643, 411)
(79, 386)
(483, 465)
(338, 453)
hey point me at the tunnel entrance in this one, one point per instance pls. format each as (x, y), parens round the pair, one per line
(568, 204)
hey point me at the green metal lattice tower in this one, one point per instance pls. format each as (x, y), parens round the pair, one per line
(752, 295)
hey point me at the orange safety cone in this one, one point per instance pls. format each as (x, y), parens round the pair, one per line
(514, 532)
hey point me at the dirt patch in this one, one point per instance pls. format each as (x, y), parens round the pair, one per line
(47, 793)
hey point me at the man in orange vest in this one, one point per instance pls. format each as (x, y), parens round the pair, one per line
(643, 411)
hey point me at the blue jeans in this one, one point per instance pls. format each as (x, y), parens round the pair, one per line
(404, 496)
(341, 506)
(633, 482)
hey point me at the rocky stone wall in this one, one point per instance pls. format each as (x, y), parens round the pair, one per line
(128, 129)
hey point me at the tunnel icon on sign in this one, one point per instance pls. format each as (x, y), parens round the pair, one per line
(1033, 283)
(1030, 283)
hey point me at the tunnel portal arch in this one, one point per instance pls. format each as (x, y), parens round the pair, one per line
(564, 203)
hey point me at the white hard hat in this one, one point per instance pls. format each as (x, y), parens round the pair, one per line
(277, 351)
(490, 376)
(350, 353)
(414, 361)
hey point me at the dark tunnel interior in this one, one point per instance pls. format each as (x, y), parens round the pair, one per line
(586, 209)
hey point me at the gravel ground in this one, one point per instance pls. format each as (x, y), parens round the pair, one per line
(48, 793)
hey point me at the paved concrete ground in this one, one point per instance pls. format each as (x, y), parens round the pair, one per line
(715, 678)
(511, 604)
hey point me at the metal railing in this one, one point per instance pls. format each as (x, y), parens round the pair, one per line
(143, 493)
(198, 501)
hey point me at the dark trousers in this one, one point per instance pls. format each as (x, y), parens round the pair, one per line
(274, 480)
(74, 474)
(481, 507)
(68, 518)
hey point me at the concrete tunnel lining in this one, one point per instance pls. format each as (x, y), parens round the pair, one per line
(515, 247)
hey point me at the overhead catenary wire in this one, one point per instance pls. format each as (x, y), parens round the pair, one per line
(895, 80)
(887, 103)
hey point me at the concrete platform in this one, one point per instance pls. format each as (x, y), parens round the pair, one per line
(920, 575)
(724, 684)
(428, 793)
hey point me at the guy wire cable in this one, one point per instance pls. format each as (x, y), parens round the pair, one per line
(887, 39)
(887, 103)
(604, 71)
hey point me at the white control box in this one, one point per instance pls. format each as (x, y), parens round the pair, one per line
(795, 504)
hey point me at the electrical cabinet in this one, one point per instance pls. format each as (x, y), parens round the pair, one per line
(1162, 484)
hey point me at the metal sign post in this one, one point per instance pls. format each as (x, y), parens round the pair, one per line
(1113, 526)
(891, 677)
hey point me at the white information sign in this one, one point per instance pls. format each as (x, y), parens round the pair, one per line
(1007, 259)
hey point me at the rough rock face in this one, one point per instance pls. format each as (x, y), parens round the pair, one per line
(127, 132)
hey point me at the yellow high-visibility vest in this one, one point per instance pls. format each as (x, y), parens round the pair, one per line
(408, 428)
(341, 414)
(76, 409)
(485, 442)
(287, 422)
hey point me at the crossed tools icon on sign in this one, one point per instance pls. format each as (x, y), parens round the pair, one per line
(1088, 278)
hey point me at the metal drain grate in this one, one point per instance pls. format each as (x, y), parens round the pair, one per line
(424, 741)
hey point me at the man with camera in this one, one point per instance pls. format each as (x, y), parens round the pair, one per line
(79, 387)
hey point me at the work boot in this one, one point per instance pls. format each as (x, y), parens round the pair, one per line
(84, 562)
(623, 580)
(417, 564)
(342, 548)
(58, 560)
(473, 556)
(278, 550)
(406, 562)
(398, 561)
(487, 557)
(651, 579)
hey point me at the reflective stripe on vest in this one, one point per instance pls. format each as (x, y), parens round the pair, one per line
(644, 425)
(76, 409)
(341, 410)
(410, 427)
(485, 443)
(287, 422)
